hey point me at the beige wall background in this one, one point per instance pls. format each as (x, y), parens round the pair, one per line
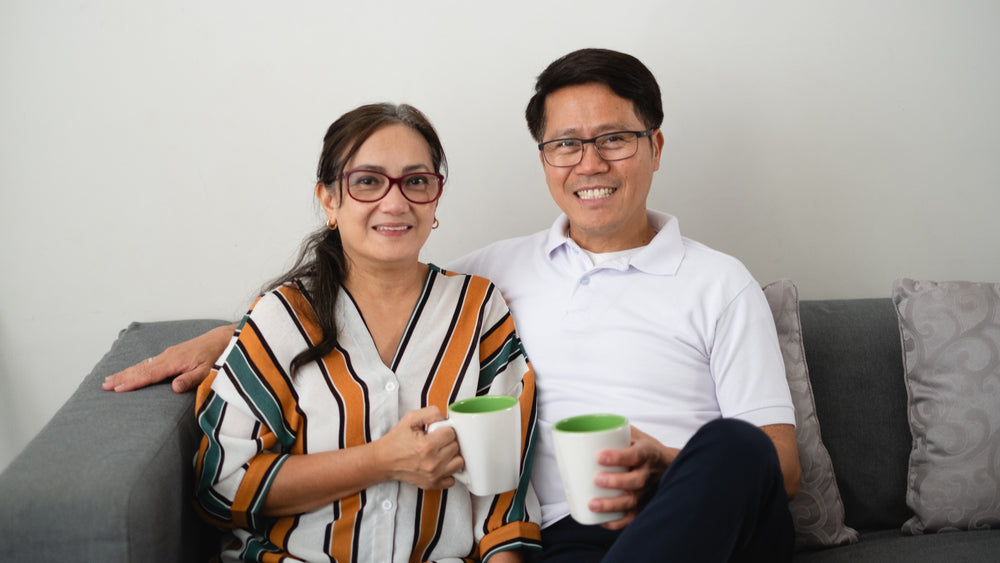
(157, 158)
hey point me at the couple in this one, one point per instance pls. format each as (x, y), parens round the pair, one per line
(314, 418)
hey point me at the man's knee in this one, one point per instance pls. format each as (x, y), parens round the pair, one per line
(739, 442)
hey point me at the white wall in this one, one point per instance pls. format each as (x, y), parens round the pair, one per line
(157, 157)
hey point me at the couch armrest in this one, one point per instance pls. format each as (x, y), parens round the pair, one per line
(109, 478)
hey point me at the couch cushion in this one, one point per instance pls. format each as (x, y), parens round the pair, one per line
(817, 510)
(951, 347)
(109, 478)
(856, 371)
(890, 545)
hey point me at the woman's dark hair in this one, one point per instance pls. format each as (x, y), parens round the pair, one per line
(624, 74)
(321, 265)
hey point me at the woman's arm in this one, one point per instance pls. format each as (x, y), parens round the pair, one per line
(190, 361)
(407, 453)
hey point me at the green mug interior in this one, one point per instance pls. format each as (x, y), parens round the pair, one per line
(590, 423)
(484, 403)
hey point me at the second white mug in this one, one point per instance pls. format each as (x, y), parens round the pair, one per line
(578, 440)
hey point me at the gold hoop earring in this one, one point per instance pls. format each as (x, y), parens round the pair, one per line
(333, 226)
(435, 224)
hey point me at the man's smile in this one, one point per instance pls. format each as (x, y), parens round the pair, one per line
(595, 193)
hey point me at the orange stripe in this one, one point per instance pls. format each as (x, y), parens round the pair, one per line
(496, 339)
(204, 390)
(430, 509)
(353, 397)
(279, 533)
(526, 401)
(303, 312)
(462, 340)
(249, 487)
(510, 532)
(342, 540)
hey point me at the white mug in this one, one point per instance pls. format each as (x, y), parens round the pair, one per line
(488, 428)
(578, 440)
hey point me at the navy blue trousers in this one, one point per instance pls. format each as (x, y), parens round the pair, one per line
(722, 499)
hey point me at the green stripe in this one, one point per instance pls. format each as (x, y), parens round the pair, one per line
(209, 420)
(260, 396)
(495, 363)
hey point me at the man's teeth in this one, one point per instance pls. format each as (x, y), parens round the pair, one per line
(595, 193)
(391, 228)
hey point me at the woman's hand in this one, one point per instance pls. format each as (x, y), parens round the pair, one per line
(645, 461)
(189, 361)
(424, 459)
(406, 453)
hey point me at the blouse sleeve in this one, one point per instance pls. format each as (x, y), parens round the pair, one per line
(243, 411)
(509, 520)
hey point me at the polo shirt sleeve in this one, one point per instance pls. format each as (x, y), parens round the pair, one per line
(746, 362)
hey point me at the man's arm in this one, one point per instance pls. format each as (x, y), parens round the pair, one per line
(783, 436)
(190, 361)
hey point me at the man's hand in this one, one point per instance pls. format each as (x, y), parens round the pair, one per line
(189, 361)
(645, 461)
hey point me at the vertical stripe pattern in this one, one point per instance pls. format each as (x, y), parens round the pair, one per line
(460, 342)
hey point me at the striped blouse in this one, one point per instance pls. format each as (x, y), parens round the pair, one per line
(460, 342)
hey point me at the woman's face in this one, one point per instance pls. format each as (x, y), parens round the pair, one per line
(392, 230)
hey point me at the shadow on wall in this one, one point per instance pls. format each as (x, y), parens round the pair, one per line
(9, 427)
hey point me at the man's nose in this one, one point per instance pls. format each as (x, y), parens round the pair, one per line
(591, 160)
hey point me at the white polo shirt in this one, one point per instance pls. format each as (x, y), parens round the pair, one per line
(671, 336)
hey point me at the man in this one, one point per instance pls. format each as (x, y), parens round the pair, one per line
(619, 313)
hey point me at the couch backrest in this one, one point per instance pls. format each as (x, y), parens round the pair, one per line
(855, 363)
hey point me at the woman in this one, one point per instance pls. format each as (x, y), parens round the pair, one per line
(314, 439)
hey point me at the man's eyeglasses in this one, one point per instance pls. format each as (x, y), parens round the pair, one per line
(618, 145)
(371, 185)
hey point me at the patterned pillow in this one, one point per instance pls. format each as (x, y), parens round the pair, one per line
(951, 350)
(817, 511)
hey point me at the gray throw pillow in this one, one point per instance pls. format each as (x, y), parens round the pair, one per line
(817, 511)
(951, 350)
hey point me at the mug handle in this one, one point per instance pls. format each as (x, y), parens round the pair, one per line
(462, 475)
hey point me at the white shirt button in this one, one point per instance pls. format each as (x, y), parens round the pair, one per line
(391, 386)
(585, 281)
(387, 505)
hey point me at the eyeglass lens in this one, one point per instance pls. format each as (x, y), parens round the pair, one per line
(370, 185)
(612, 146)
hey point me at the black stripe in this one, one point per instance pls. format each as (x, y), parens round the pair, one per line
(444, 344)
(471, 351)
(439, 527)
(414, 319)
(417, 520)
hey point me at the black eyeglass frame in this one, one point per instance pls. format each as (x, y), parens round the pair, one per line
(393, 182)
(583, 142)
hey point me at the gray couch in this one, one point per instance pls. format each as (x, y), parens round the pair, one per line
(110, 479)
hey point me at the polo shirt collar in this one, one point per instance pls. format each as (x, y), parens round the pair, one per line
(662, 256)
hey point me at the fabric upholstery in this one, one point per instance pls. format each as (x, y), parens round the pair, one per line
(951, 349)
(109, 478)
(856, 371)
(817, 511)
(855, 368)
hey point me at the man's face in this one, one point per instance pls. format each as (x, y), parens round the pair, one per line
(605, 201)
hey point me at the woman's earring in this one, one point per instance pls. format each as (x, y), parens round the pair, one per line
(435, 224)
(331, 225)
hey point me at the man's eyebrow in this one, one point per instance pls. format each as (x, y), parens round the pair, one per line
(574, 132)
